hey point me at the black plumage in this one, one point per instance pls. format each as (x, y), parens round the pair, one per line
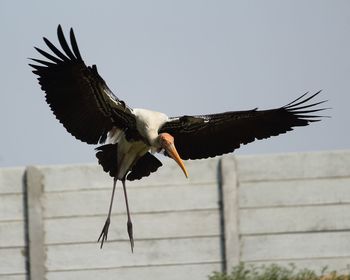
(206, 136)
(77, 94)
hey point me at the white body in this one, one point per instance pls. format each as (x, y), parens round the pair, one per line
(148, 123)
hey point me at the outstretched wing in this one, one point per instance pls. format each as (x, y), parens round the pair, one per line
(77, 95)
(211, 135)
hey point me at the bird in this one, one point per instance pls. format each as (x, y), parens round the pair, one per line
(129, 138)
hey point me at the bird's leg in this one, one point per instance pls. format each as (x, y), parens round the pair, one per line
(104, 232)
(129, 223)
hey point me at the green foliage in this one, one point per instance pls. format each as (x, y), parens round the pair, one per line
(274, 272)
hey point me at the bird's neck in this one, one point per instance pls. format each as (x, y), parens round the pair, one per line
(153, 139)
(148, 123)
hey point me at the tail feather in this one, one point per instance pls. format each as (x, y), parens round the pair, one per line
(146, 165)
(107, 156)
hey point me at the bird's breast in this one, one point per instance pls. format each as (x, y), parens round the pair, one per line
(128, 154)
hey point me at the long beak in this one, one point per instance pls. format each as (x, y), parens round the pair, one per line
(171, 150)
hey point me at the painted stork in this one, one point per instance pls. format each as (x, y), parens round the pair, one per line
(87, 108)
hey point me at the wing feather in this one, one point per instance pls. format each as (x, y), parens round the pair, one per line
(48, 56)
(75, 45)
(77, 95)
(55, 50)
(64, 44)
(212, 135)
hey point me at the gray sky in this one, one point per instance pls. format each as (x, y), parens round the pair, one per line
(179, 57)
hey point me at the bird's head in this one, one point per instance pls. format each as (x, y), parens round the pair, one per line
(166, 142)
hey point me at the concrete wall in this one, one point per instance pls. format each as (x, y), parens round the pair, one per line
(256, 209)
(12, 226)
(291, 209)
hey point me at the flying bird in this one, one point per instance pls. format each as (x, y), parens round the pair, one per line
(129, 137)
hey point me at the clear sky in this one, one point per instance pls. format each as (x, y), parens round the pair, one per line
(179, 57)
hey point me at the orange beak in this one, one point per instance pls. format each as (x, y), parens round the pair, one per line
(171, 150)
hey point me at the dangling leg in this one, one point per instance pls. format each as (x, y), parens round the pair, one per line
(129, 223)
(104, 231)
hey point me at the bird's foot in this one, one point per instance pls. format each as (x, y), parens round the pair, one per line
(131, 237)
(104, 232)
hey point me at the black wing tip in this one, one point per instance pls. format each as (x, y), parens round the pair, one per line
(73, 42)
(304, 117)
(302, 100)
(69, 53)
(74, 45)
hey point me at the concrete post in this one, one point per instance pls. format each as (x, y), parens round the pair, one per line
(229, 186)
(37, 256)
